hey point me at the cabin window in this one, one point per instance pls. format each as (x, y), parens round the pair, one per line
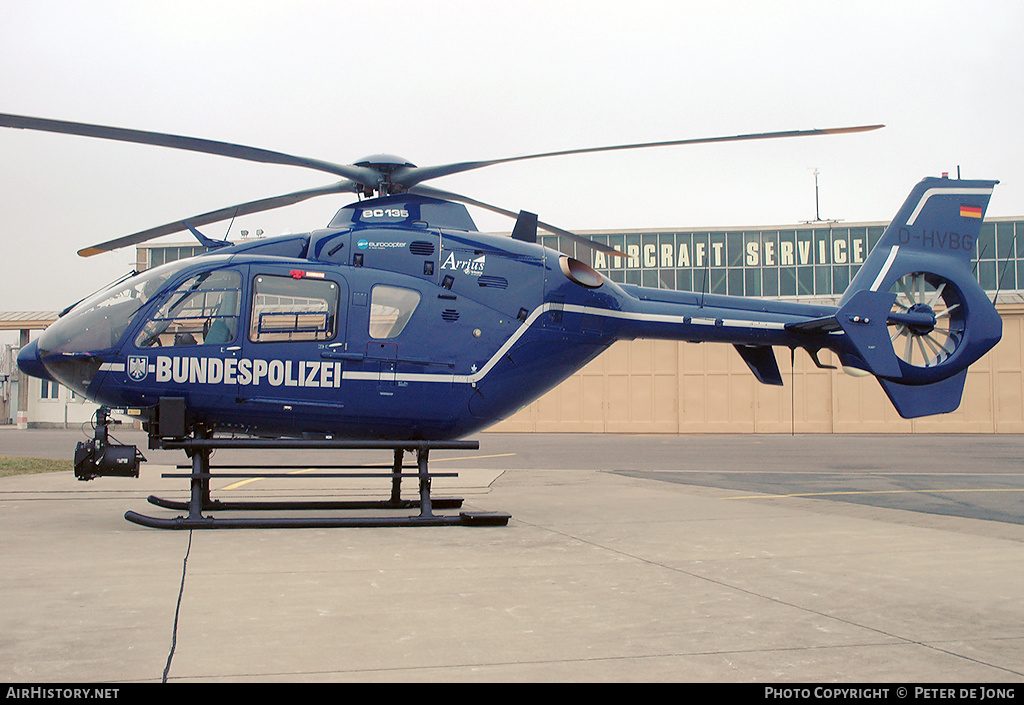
(288, 309)
(391, 307)
(202, 311)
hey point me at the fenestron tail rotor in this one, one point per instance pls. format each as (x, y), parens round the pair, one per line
(377, 175)
(927, 321)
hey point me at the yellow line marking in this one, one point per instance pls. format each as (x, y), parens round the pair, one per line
(243, 483)
(240, 483)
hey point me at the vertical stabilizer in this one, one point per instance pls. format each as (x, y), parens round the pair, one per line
(915, 315)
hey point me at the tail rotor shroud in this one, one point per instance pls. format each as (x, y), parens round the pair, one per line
(926, 343)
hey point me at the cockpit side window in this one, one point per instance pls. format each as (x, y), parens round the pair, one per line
(391, 307)
(202, 311)
(288, 309)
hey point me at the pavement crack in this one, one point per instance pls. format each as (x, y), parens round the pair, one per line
(177, 609)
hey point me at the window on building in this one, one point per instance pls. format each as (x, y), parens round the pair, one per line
(162, 255)
(804, 261)
(48, 389)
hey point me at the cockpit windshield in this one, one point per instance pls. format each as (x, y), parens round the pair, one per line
(99, 322)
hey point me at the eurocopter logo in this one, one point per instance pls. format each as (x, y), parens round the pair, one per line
(473, 266)
(365, 244)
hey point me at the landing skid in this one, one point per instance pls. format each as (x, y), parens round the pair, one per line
(216, 505)
(204, 522)
(200, 502)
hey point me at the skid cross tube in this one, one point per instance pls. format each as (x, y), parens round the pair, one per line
(203, 444)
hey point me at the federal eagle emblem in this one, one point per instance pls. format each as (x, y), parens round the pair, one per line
(138, 367)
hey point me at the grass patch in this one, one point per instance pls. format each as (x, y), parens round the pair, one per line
(26, 466)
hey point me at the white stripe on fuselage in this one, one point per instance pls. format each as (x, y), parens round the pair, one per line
(569, 308)
(244, 371)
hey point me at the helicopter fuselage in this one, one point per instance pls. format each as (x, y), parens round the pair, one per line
(399, 320)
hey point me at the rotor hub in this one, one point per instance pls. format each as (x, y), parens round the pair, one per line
(385, 165)
(918, 327)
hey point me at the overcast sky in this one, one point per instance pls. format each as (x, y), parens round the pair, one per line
(450, 81)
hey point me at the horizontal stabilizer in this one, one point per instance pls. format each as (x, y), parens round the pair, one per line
(864, 319)
(828, 324)
(761, 361)
(912, 401)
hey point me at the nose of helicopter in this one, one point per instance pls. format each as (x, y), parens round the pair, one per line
(30, 363)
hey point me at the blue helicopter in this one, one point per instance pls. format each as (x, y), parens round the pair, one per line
(400, 325)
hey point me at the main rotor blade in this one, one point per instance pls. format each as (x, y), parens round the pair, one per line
(264, 204)
(362, 175)
(448, 195)
(410, 176)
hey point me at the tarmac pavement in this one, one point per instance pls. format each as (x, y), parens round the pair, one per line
(752, 559)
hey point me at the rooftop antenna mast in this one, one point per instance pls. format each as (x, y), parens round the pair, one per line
(817, 211)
